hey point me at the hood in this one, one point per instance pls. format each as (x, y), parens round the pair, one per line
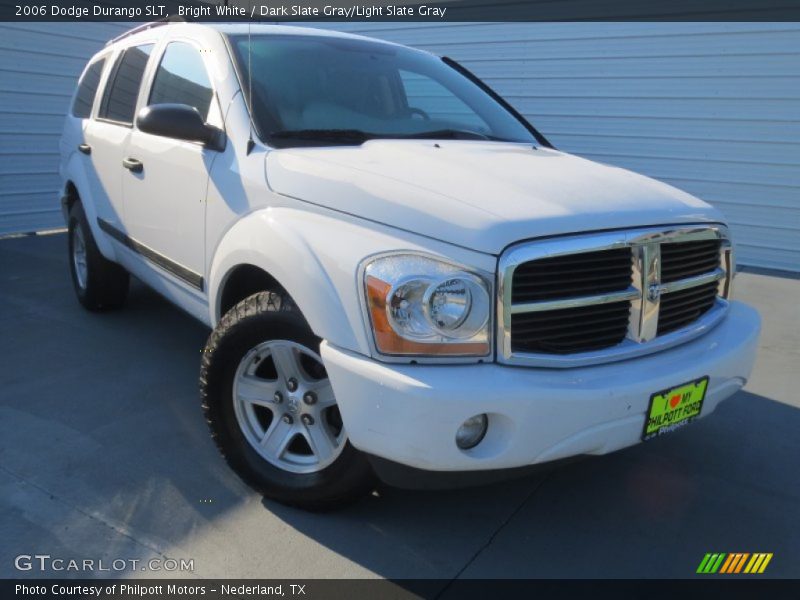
(481, 195)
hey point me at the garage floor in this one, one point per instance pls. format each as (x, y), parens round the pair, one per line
(104, 454)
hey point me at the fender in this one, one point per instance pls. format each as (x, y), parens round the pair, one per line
(75, 173)
(276, 240)
(315, 253)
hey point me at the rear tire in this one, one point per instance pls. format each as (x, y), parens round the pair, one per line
(99, 283)
(259, 366)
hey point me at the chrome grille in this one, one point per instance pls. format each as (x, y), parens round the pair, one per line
(684, 260)
(572, 275)
(680, 260)
(682, 308)
(601, 297)
(569, 330)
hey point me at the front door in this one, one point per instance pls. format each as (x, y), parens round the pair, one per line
(165, 187)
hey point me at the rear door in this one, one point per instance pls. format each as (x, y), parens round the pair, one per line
(108, 135)
(73, 143)
(82, 108)
(165, 199)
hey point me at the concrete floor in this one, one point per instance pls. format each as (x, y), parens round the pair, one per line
(104, 454)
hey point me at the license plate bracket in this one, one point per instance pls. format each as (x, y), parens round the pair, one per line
(674, 407)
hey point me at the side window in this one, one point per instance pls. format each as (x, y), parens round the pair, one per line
(182, 79)
(87, 89)
(119, 102)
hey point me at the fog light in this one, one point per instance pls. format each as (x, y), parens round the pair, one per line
(471, 432)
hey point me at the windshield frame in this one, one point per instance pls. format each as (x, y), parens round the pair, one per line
(241, 71)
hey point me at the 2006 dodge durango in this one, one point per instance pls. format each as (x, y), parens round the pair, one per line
(399, 270)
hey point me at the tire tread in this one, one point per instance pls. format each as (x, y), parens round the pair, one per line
(107, 284)
(258, 304)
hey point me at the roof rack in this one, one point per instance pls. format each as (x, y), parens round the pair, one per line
(146, 26)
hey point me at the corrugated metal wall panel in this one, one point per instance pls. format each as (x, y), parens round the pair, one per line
(709, 107)
(39, 68)
(712, 108)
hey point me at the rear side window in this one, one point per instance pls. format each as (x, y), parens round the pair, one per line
(87, 89)
(119, 102)
(182, 79)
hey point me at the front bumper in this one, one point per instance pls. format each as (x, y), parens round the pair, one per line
(409, 414)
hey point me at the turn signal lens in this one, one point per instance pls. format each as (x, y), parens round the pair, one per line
(420, 306)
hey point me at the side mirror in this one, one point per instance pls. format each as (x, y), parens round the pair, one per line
(182, 122)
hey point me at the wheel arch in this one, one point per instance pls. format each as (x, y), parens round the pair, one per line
(241, 282)
(70, 197)
(77, 189)
(267, 250)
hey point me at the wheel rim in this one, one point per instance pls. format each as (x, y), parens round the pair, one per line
(79, 257)
(285, 407)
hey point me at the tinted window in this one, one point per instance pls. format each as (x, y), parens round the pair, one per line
(327, 83)
(181, 79)
(120, 101)
(427, 98)
(87, 88)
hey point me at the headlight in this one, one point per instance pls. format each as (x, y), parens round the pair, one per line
(421, 306)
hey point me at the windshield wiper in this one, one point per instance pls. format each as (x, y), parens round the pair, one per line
(346, 136)
(357, 136)
(448, 134)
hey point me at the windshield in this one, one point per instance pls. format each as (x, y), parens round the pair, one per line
(345, 91)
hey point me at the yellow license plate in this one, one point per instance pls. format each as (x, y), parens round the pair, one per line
(674, 408)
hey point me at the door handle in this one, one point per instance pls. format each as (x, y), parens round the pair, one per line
(133, 165)
(85, 148)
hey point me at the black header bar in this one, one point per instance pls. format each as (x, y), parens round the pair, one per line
(405, 589)
(136, 11)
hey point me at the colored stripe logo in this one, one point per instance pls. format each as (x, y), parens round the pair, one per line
(733, 563)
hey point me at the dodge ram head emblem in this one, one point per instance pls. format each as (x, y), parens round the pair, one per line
(654, 292)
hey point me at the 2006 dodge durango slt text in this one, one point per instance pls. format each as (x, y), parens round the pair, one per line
(401, 273)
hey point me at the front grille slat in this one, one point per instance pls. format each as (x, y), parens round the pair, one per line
(584, 258)
(689, 264)
(578, 329)
(563, 331)
(580, 312)
(559, 277)
(555, 292)
(671, 302)
(690, 247)
(679, 309)
(601, 278)
(677, 313)
(550, 325)
(688, 270)
(681, 260)
(596, 272)
(573, 348)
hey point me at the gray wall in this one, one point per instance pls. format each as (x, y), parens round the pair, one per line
(39, 68)
(713, 108)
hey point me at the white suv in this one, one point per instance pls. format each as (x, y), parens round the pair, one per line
(403, 276)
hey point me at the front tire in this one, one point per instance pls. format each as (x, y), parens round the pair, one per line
(272, 411)
(99, 283)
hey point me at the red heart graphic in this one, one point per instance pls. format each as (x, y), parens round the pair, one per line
(675, 400)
